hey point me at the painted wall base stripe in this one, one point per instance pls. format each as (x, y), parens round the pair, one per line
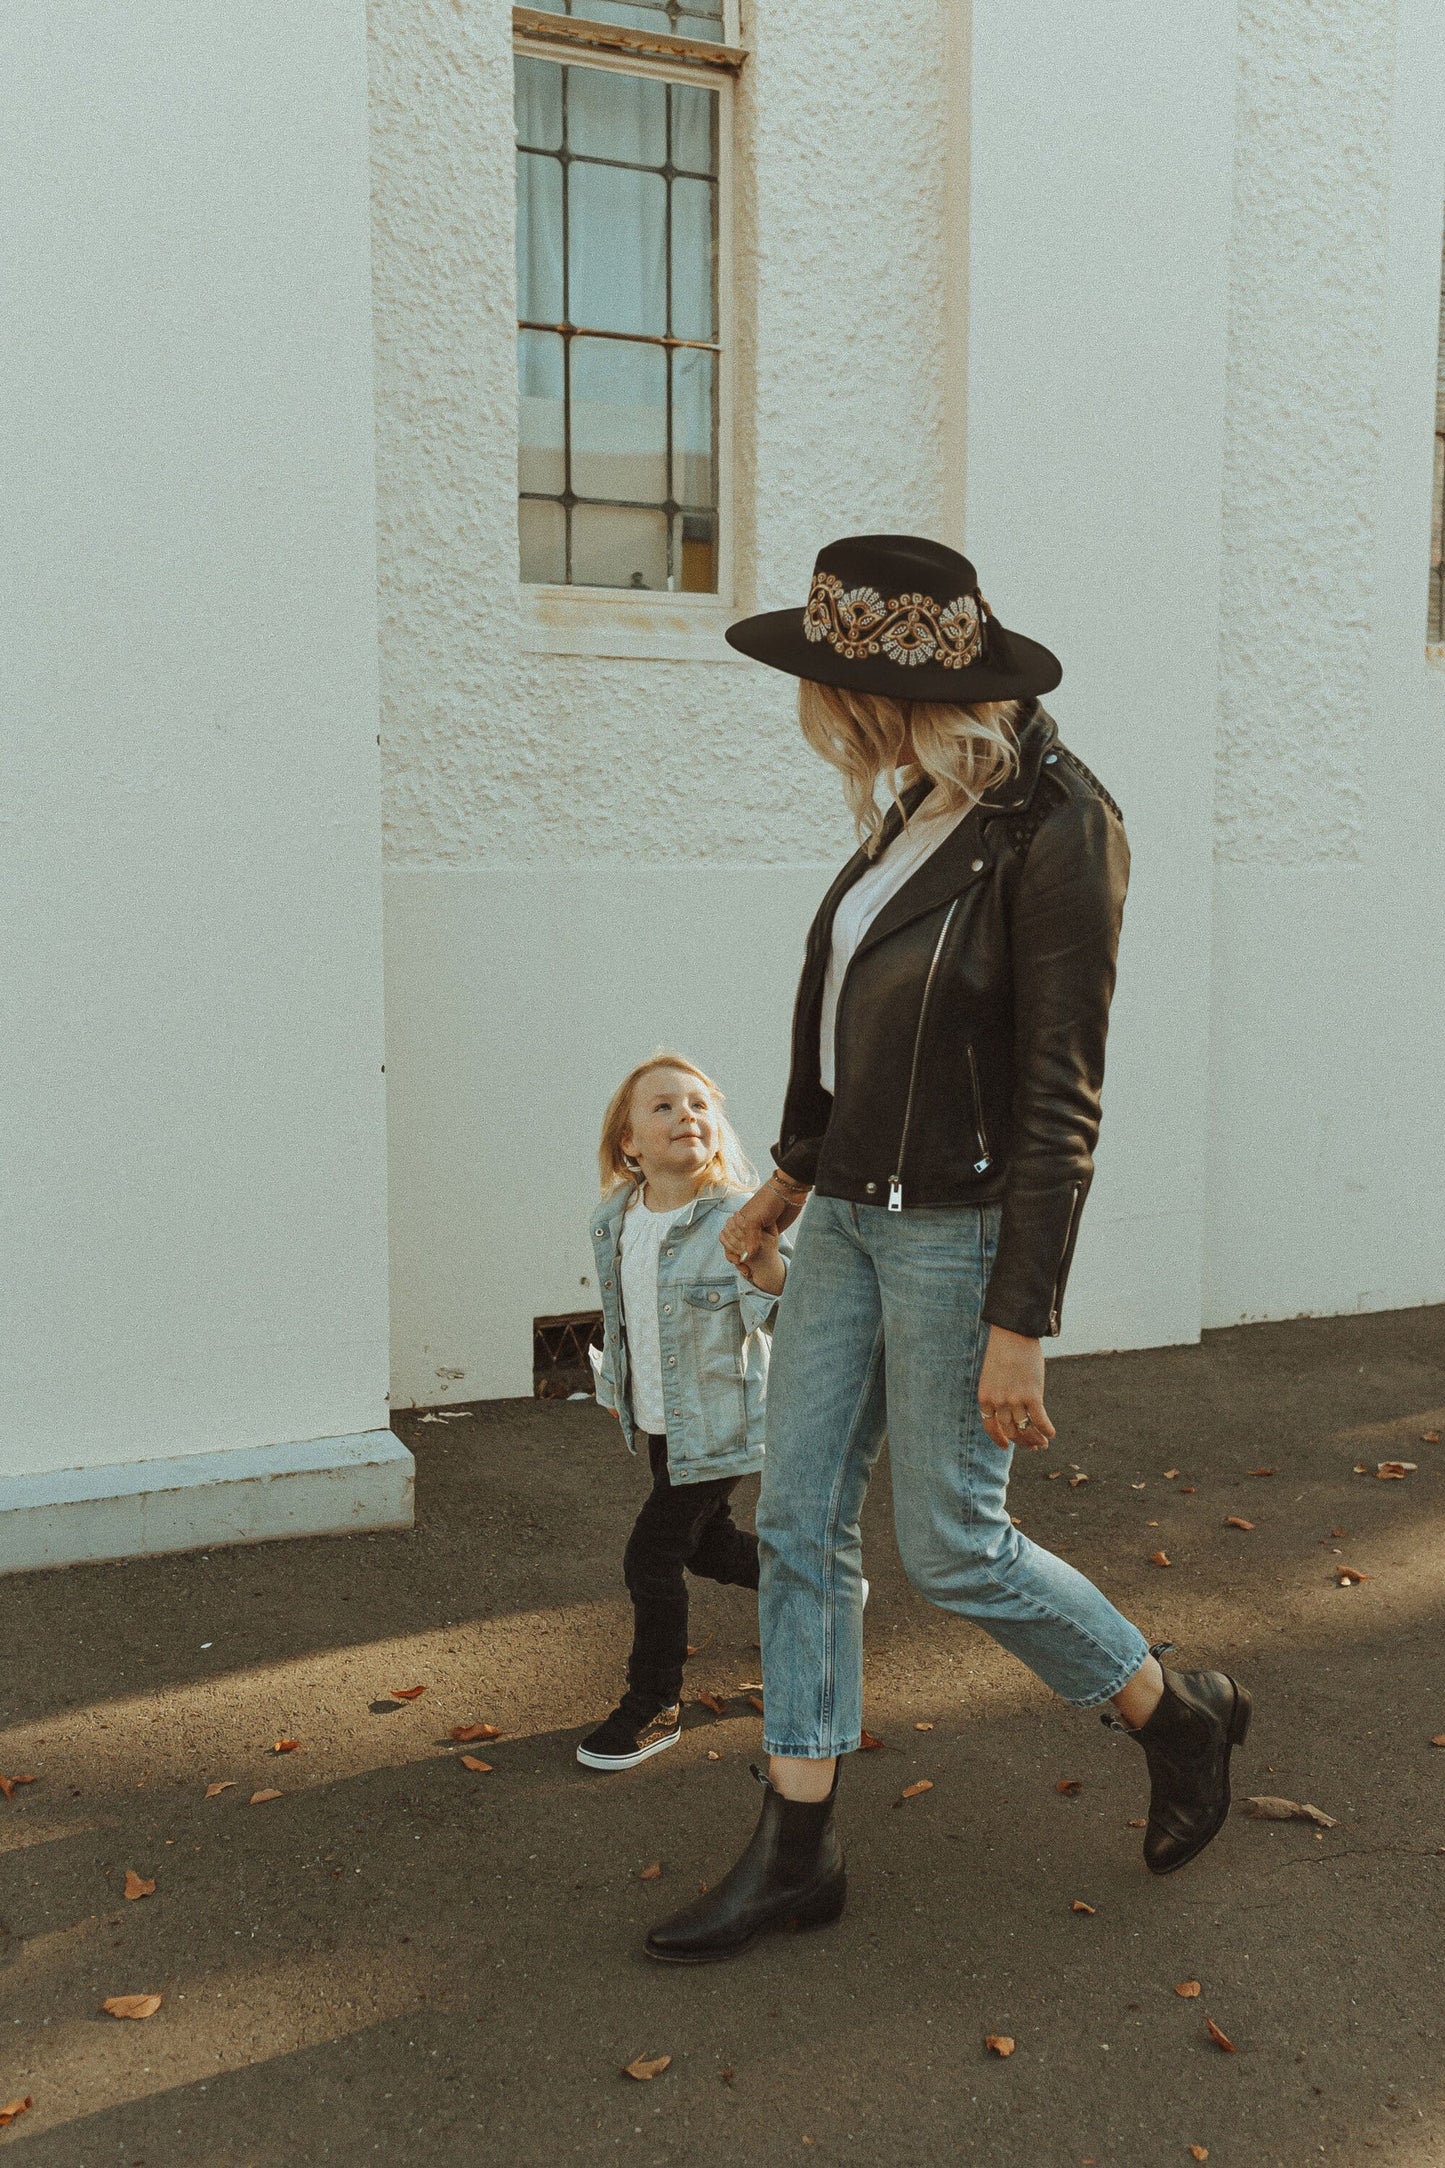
(253, 1494)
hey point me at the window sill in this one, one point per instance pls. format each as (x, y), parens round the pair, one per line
(642, 628)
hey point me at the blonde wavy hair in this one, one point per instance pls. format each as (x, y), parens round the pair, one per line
(965, 750)
(728, 1168)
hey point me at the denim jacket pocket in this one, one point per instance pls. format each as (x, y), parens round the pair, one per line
(712, 1294)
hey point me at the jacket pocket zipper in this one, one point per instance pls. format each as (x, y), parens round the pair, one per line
(895, 1181)
(985, 1158)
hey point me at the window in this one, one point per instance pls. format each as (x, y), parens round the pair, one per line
(1435, 632)
(620, 172)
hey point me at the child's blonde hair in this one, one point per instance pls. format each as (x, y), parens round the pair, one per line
(728, 1166)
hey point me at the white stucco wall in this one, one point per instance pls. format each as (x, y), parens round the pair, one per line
(1327, 1151)
(195, 1262)
(588, 855)
(1180, 332)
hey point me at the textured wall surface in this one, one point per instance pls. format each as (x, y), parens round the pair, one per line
(494, 755)
(1311, 208)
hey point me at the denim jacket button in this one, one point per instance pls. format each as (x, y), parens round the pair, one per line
(871, 1187)
(672, 1362)
(667, 1309)
(712, 1298)
(606, 1283)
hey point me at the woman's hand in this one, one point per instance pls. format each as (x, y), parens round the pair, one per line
(765, 1266)
(1011, 1391)
(765, 1211)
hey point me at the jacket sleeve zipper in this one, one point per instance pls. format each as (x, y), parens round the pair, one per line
(1064, 1256)
(985, 1158)
(895, 1181)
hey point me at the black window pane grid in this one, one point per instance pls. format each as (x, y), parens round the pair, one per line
(656, 197)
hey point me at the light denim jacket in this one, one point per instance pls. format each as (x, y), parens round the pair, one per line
(715, 1346)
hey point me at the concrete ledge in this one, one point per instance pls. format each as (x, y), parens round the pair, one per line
(253, 1494)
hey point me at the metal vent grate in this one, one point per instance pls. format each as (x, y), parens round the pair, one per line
(559, 1353)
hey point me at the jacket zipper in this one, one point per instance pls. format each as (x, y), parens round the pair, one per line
(895, 1181)
(1064, 1256)
(985, 1158)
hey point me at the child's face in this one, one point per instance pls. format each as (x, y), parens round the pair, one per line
(673, 1127)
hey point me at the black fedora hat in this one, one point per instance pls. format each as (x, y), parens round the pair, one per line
(896, 614)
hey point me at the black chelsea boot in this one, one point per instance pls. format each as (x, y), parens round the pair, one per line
(791, 1875)
(1187, 1743)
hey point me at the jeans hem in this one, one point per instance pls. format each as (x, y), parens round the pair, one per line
(1096, 1699)
(814, 1752)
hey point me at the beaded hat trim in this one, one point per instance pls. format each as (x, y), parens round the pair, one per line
(908, 629)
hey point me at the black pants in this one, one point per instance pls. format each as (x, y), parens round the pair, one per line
(687, 1526)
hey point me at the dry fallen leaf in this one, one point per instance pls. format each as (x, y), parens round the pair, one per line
(1188, 1989)
(923, 1727)
(1187, 1490)
(1221, 2039)
(1170, 1474)
(1235, 1520)
(1000, 2044)
(406, 1693)
(227, 1784)
(1140, 1824)
(131, 2005)
(465, 1733)
(12, 2108)
(1261, 1471)
(646, 2068)
(1161, 1558)
(868, 1742)
(714, 1702)
(1429, 1437)
(1347, 1577)
(915, 1791)
(135, 1887)
(258, 1799)
(1395, 1471)
(1076, 1480)
(1079, 1905)
(754, 1701)
(285, 1746)
(1339, 1531)
(713, 1754)
(1362, 1467)
(10, 1785)
(1289, 1810)
(1199, 2152)
(1069, 1785)
(469, 1761)
(652, 1873)
(1439, 1739)
(696, 1648)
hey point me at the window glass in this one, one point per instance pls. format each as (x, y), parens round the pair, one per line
(618, 357)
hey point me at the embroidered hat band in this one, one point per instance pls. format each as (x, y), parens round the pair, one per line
(909, 629)
(873, 623)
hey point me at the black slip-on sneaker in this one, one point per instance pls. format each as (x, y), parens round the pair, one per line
(624, 1740)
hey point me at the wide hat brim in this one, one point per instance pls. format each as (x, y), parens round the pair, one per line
(1012, 667)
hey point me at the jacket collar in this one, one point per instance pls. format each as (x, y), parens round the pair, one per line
(948, 870)
(611, 1209)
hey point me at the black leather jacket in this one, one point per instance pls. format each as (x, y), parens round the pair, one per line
(971, 1023)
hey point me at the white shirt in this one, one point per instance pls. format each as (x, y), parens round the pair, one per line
(642, 1233)
(911, 848)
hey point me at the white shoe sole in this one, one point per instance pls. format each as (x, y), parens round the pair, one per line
(628, 1761)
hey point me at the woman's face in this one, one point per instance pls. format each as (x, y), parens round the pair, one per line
(673, 1125)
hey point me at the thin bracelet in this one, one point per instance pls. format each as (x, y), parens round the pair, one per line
(791, 1192)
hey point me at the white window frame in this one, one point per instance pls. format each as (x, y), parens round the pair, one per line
(567, 620)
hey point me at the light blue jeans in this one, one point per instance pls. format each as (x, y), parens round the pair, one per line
(880, 1331)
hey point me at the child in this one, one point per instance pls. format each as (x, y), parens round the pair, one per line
(683, 1367)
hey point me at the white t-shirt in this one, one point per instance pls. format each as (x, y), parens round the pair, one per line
(642, 1233)
(910, 849)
